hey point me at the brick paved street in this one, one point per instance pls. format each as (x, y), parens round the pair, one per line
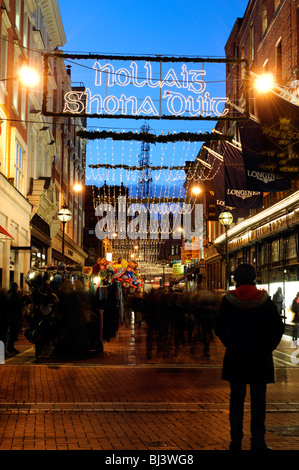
(121, 401)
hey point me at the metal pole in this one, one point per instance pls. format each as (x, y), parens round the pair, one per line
(63, 230)
(226, 259)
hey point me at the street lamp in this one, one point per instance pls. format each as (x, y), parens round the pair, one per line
(64, 215)
(27, 76)
(196, 190)
(78, 187)
(264, 83)
(226, 218)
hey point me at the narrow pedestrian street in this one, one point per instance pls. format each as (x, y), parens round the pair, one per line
(121, 401)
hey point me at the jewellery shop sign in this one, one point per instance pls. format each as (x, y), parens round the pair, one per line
(155, 87)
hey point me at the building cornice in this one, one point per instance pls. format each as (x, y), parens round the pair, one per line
(53, 19)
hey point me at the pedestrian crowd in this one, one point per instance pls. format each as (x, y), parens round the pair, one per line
(245, 319)
(174, 319)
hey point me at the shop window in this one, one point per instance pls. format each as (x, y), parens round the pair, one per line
(264, 254)
(291, 248)
(38, 255)
(275, 251)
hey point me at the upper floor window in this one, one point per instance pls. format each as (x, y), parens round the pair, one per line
(18, 15)
(278, 62)
(3, 55)
(19, 176)
(25, 31)
(243, 67)
(264, 16)
(251, 38)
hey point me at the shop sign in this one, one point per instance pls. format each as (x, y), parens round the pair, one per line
(177, 269)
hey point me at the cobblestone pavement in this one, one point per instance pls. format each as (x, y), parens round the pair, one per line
(121, 401)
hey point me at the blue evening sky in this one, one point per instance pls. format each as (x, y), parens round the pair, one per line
(163, 27)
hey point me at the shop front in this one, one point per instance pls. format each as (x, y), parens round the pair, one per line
(40, 242)
(273, 250)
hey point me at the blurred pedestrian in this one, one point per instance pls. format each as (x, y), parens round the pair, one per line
(3, 316)
(14, 317)
(250, 328)
(278, 299)
(205, 307)
(295, 320)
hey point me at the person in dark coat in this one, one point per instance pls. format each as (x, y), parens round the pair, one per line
(250, 328)
(14, 317)
(3, 316)
(295, 320)
(278, 299)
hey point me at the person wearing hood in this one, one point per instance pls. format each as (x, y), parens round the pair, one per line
(250, 328)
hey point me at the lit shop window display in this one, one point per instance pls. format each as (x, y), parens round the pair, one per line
(38, 256)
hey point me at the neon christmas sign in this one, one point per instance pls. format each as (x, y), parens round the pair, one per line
(143, 91)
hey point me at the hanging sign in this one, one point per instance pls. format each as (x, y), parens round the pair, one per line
(278, 135)
(145, 87)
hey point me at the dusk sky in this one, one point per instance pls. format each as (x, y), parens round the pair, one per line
(164, 27)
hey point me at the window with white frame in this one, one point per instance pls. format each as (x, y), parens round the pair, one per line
(251, 39)
(19, 176)
(25, 31)
(18, 15)
(23, 106)
(264, 15)
(278, 61)
(15, 90)
(3, 55)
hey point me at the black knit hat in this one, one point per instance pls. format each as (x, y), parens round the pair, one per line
(244, 274)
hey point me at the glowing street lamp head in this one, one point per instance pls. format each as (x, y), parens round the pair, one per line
(28, 76)
(64, 215)
(264, 83)
(225, 218)
(196, 190)
(78, 187)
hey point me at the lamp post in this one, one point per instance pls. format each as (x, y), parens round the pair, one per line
(64, 215)
(226, 218)
(27, 76)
